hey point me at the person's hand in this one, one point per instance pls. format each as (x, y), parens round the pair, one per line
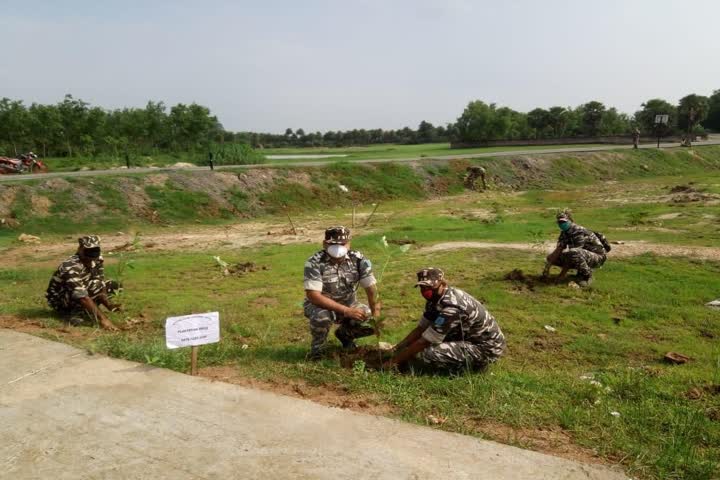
(355, 314)
(107, 325)
(377, 309)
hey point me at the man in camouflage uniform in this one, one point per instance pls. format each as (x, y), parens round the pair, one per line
(78, 286)
(456, 333)
(584, 251)
(332, 276)
(472, 174)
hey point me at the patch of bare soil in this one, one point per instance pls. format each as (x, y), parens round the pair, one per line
(7, 198)
(627, 249)
(40, 205)
(480, 214)
(266, 302)
(526, 281)
(182, 239)
(329, 395)
(371, 356)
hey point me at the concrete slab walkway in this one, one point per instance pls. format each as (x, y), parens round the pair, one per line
(68, 415)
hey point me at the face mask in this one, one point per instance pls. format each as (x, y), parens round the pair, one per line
(337, 251)
(564, 226)
(427, 293)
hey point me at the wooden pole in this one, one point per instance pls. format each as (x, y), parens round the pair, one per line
(371, 214)
(291, 224)
(193, 361)
(353, 216)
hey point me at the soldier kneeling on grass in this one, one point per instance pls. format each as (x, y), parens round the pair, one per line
(456, 332)
(332, 277)
(78, 286)
(585, 250)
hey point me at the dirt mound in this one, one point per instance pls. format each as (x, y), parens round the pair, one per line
(371, 356)
(682, 189)
(240, 269)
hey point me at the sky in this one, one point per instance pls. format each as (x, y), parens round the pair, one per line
(334, 65)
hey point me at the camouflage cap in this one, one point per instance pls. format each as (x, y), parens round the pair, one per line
(430, 277)
(89, 241)
(564, 215)
(337, 235)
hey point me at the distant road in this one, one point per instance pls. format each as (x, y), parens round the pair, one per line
(713, 140)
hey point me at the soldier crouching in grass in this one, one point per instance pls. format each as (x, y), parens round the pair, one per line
(456, 333)
(332, 277)
(585, 250)
(78, 286)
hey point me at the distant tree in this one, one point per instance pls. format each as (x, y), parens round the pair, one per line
(481, 122)
(557, 120)
(614, 123)
(713, 119)
(645, 118)
(288, 132)
(591, 117)
(426, 132)
(692, 110)
(539, 120)
(14, 127)
(300, 132)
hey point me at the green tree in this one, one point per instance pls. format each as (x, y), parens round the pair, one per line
(645, 118)
(480, 123)
(558, 120)
(14, 124)
(591, 115)
(539, 120)
(692, 110)
(426, 132)
(713, 119)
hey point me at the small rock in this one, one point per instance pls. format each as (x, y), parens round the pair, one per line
(615, 414)
(433, 420)
(245, 346)
(550, 329)
(713, 304)
(676, 358)
(385, 346)
(24, 237)
(574, 285)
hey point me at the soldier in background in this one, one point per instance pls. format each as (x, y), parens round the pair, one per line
(472, 174)
(78, 287)
(636, 138)
(456, 332)
(332, 277)
(585, 250)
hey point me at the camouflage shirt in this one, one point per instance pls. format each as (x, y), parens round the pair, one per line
(457, 316)
(338, 281)
(578, 236)
(71, 279)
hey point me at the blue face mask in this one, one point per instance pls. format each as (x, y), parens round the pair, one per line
(564, 226)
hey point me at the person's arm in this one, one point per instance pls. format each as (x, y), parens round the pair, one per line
(374, 299)
(409, 352)
(91, 307)
(318, 299)
(410, 338)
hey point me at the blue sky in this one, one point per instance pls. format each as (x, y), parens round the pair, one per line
(321, 65)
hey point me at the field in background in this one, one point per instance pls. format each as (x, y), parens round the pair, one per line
(554, 391)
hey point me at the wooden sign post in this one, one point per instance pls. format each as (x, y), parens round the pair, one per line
(192, 331)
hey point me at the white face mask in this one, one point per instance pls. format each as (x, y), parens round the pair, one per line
(337, 251)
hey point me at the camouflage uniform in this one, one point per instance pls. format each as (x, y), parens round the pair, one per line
(473, 173)
(464, 335)
(339, 282)
(585, 251)
(72, 281)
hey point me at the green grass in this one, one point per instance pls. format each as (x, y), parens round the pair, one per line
(616, 332)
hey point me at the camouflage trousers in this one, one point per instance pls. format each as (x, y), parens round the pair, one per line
(453, 357)
(580, 259)
(67, 306)
(322, 319)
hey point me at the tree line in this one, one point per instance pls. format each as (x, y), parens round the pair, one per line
(73, 127)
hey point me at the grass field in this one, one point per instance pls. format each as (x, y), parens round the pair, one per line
(389, 151)
(553, 391)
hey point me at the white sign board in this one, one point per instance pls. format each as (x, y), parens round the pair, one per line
(192, 330)
(662, 119)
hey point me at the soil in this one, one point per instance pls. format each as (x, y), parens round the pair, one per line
(628, 249)
(372, 356)
(329, 395)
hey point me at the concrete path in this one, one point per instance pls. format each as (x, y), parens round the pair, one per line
(69, 415)
(714, 140)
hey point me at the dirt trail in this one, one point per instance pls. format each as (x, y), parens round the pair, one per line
(627, 249)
